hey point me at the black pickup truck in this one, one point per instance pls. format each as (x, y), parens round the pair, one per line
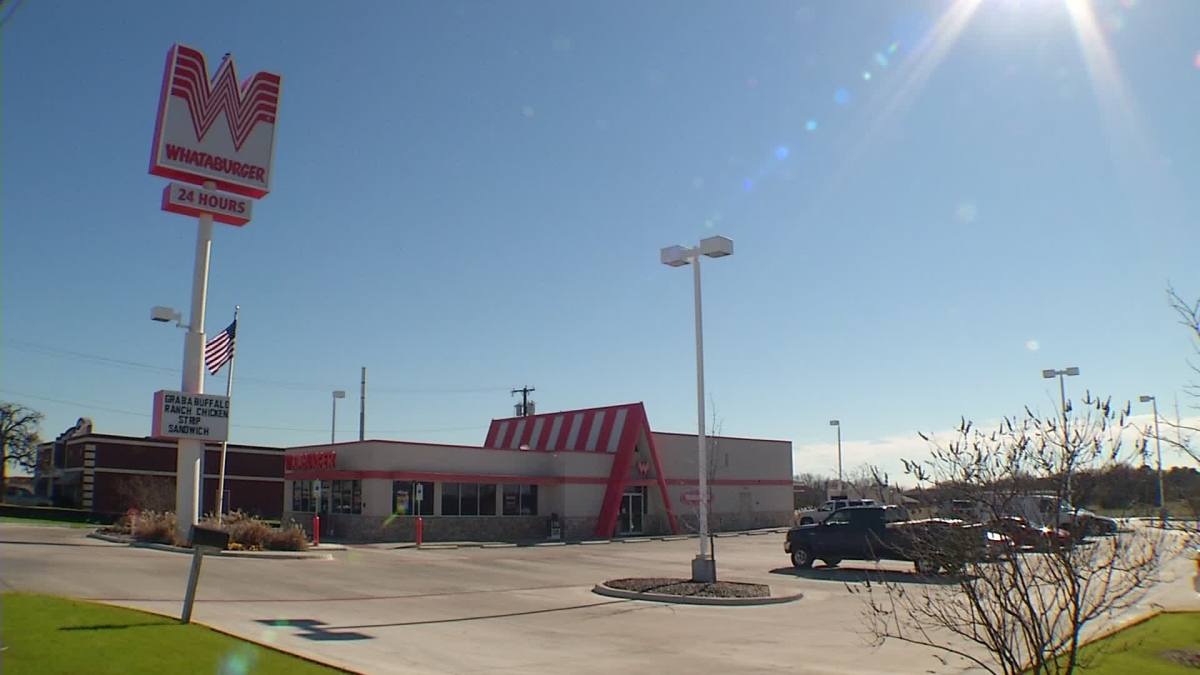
(884, 533)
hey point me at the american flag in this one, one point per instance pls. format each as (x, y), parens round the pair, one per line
(219, 350)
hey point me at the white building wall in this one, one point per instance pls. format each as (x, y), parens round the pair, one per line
(751, 478)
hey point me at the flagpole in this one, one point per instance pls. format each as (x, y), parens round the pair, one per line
(225, 443)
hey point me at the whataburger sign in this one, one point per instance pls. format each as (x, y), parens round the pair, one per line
(214, 131)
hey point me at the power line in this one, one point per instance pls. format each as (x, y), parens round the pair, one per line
(88, 405)
(242, 379)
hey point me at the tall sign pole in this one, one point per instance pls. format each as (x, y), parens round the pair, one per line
(215, 139)
(190, 463)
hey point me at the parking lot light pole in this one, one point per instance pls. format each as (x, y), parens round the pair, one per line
(338, 393)
(1162, 504)
(1049, 374)
(703, 567)
(838, 424)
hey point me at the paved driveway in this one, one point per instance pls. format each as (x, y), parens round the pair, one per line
(493, 610)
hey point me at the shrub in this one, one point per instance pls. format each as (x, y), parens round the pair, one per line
(155, 526)
(289, 538)
(248, 532)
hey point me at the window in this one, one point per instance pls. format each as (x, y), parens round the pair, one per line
(346, 496)
(404, 498)
(839, 518)
(449, 499)
(468, 499)
(520, 500)
(487, 499)
(304, 498)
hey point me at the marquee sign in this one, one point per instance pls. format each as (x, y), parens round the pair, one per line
(215, 131)
(200, 416)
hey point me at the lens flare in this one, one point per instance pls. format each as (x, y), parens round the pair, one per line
(239, 662)
(811, 125)
(841, 97)
(782, 152)
(966, 213)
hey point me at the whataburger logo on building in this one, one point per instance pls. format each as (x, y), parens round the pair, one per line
(215, 131)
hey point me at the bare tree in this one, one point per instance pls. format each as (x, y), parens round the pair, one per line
(146, 493)
(715, 460)
(18, 439)
(1020, 612)
(1184, 434)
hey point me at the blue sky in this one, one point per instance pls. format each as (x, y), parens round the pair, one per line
(470, 197)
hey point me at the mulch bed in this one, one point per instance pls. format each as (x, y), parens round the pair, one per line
(687, 587)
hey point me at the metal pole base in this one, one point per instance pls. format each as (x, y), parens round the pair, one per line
(704, 569)
(193, 579)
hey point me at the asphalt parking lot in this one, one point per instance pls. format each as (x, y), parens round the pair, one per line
(496, 609)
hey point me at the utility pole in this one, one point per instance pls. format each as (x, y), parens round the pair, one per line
(362, 406)
(524, 391)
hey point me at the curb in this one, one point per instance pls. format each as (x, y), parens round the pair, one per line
(320, 552)
(108, 537)
(637, 539)
(259, 555)
(601, 589)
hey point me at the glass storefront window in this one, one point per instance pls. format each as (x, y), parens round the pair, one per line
(404, 498)
(304, 497)
(487, 499)
(346, 496)
(520, 500)
(449, 499)
(468, 499)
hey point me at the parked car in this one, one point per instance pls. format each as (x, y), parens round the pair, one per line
(885, 533)
(1101, 525)
(1027, 536)
(1051, 511)
(819, 514)
(23, 496)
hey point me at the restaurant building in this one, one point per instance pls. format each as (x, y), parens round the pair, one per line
(108, 474)
(577, 474)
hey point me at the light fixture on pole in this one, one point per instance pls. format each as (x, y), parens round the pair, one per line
(838, 424)
(1050, 374)
(1162, 504)
(337, 393)
(704, 569)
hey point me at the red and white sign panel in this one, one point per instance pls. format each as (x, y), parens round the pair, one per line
(200, 416)
(190, 200)
(693, 497)
(215, 130)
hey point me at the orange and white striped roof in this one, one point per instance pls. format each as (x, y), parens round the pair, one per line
(607, 429)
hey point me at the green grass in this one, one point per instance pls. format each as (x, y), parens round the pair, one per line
(1139, 649)
(45, 634)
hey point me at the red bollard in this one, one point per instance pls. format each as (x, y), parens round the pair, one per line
(316, 530)
(420, 530)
